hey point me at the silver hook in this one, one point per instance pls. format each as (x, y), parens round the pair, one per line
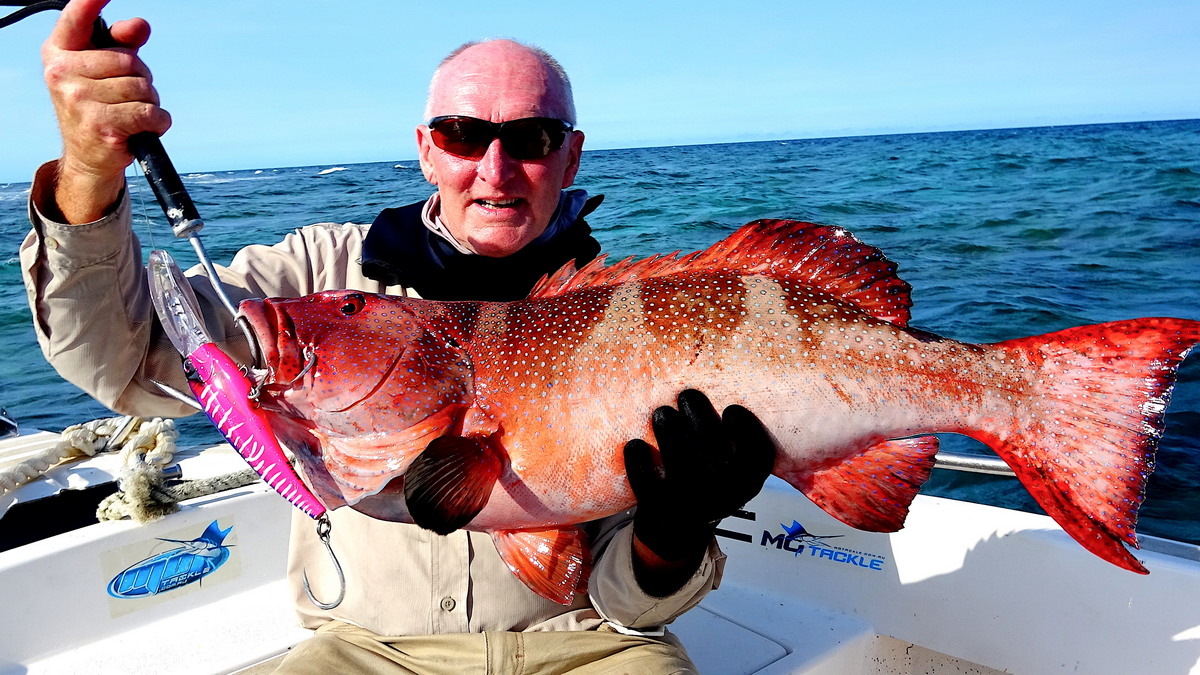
(323, 528)
(309, 353)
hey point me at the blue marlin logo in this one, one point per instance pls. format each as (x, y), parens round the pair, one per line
(796, 532)
(192, 561)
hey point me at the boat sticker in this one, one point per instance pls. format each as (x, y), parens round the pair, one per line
(801, 543)
(165, 565)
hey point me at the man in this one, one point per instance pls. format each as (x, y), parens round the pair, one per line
(500, 147)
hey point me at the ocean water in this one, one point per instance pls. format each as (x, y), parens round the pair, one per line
(1001, 233)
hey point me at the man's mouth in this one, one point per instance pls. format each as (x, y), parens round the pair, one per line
(498, 203)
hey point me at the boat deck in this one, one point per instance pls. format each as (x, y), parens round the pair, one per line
(964, 588)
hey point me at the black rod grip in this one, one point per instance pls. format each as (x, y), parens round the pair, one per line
(164, 180)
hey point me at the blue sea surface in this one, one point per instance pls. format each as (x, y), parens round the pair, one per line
(1002, 234)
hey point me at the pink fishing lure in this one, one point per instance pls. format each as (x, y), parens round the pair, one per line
(224, 394)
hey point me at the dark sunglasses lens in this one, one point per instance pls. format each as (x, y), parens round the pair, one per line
(529, 138)
(532, 138)
(462, 136)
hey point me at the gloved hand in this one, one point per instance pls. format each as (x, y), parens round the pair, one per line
(710, 467)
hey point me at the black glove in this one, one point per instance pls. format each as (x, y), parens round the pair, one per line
(710, 467)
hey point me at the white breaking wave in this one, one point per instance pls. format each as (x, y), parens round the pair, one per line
(330, 170)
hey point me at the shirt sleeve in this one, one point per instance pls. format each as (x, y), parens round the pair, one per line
(91, 309)
(616, 594)
(91, 305)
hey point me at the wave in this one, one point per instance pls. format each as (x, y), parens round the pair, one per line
(1178, 171)
(15, 196)
(211, 179)
(1002, 234)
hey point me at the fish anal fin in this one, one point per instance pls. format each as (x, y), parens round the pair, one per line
(554, 563)
(871, 490)
(826, 258)
(449, 483)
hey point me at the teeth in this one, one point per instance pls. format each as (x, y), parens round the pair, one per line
(498, 204)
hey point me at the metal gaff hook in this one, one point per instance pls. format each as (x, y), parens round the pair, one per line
(323, 528)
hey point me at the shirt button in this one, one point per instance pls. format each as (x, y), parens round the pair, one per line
(51, 243)
(448, 604)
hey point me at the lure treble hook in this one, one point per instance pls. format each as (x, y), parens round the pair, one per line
(323, 529)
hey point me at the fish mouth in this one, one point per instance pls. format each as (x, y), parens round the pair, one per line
(274, 337)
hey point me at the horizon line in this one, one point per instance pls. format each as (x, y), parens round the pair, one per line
(847, 135)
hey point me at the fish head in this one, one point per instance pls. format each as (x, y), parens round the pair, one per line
(353, 362)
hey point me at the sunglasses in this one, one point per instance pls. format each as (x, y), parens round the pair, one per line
(526, 138)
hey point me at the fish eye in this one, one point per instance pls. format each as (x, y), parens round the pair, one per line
(353, 304)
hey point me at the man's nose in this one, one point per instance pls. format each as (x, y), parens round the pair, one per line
(496, 166)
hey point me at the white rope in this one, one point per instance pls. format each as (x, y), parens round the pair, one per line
(147, 447)
(75, 442)
(142, 494)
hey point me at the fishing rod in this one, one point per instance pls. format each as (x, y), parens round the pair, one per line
(224, 391)
(28, 9)
(148, 149)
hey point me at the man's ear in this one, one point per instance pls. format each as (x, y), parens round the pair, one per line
(425, 149)
(574, 153)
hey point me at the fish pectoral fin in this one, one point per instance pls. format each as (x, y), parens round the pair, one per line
(873, 489)
(555, 564)
(449, 483)
(363, 465)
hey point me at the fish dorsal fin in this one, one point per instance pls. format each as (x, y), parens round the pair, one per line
(824, 257)
(555, 564)
(449, 483)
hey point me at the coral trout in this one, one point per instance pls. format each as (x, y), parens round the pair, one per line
(510, 417)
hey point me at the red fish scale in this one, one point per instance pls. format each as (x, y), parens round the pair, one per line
(791, 324)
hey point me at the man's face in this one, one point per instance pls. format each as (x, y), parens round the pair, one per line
(495, 204)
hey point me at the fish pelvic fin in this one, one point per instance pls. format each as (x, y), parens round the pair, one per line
(870, 490)
(827, 258)
(555, 563)
(449, 483)
(1092, 420)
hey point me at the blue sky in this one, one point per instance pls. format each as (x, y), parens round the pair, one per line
(271, 83)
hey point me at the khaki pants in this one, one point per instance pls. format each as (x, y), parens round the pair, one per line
(343, 648)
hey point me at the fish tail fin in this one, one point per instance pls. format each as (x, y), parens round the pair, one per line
(1093, 413)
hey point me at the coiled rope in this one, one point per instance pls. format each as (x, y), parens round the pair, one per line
(144, 455)
(143, 494)
(147, 447)
(76, 442)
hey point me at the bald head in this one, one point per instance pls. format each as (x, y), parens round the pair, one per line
(493, 203)
(478, 68)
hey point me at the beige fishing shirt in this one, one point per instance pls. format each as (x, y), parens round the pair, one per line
(96, 326)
